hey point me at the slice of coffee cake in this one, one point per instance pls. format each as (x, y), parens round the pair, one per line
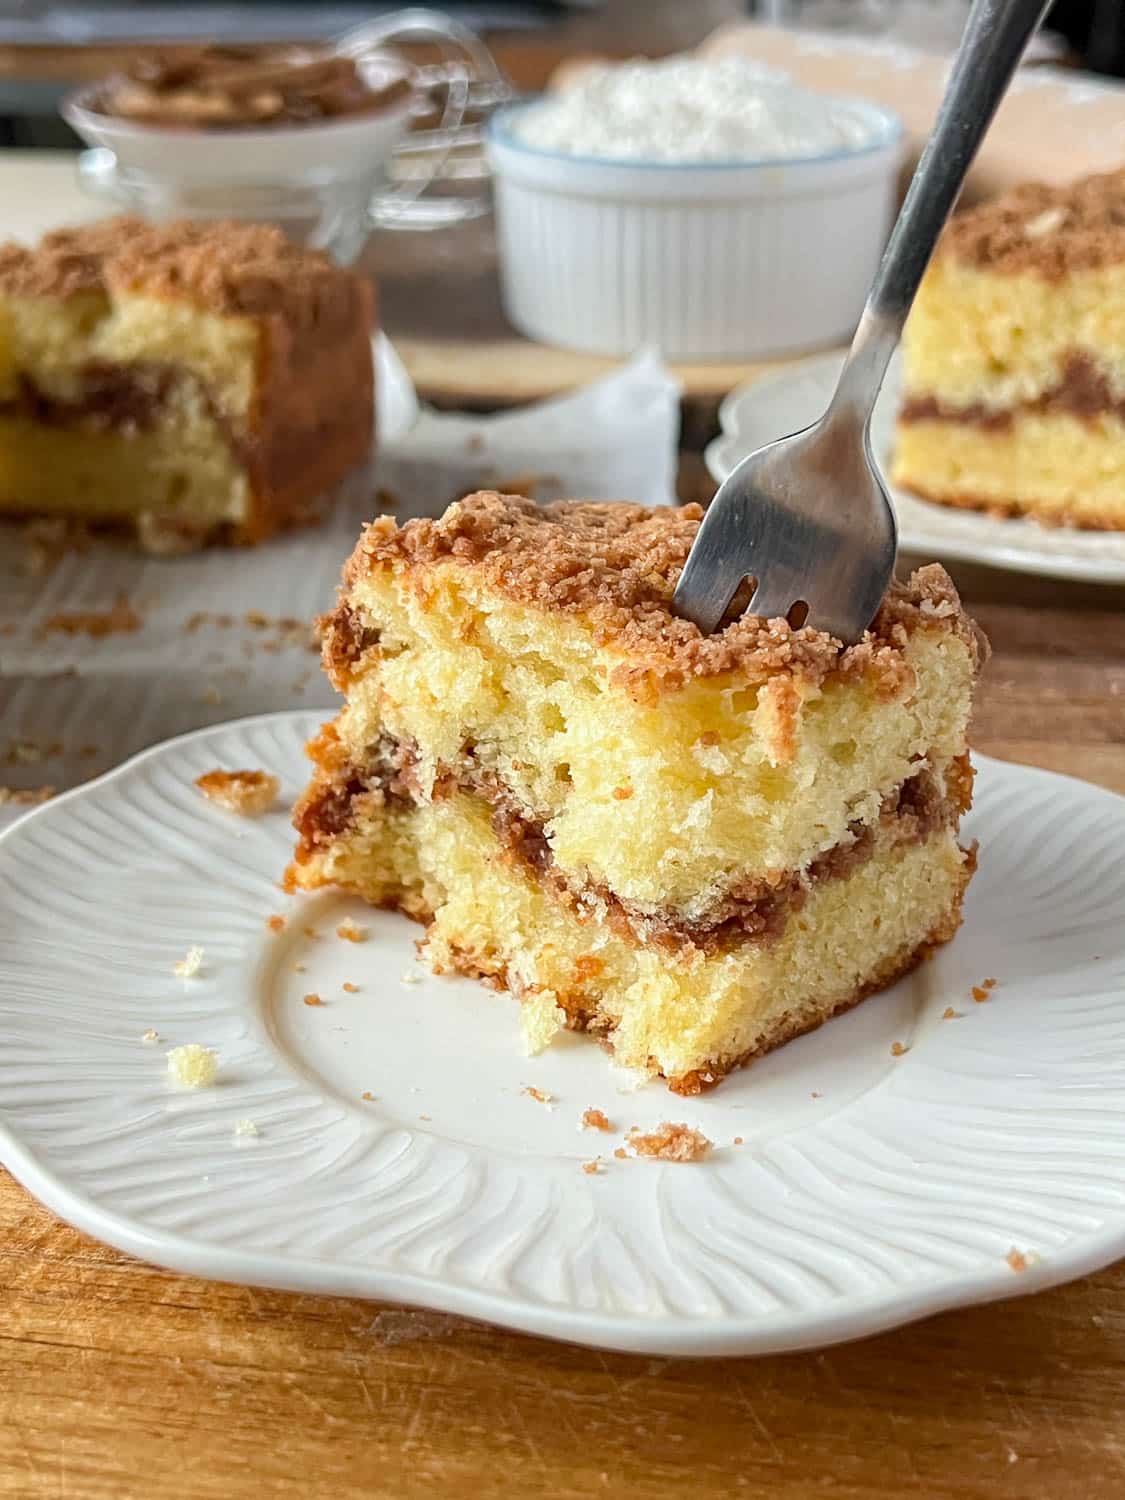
(1014, 359)
(189, 380)
(693, 847)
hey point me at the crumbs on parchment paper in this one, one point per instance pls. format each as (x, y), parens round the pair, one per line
(120, 619)
(30, 796)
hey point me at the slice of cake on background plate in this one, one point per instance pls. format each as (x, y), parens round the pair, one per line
(1014, 360)
(192, 381)
(694, 848)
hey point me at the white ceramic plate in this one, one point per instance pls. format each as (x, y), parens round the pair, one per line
(778, 404)
(869, 1190)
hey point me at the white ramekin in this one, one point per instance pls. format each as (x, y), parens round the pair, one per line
(712, 261)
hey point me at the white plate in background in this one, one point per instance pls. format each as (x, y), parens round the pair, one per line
(779, 404)
(870, 1190)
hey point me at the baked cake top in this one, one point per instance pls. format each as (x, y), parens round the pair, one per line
(1047, 230)
(222, 266)
(617, 566)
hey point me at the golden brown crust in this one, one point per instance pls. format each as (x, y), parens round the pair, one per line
(1015, 509)
(1047, 231)
(616, 566)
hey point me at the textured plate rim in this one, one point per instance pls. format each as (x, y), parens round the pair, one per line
(914, 534)
(683, 1336)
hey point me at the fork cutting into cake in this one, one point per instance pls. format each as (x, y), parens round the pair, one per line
(808, 518)
(693, 845)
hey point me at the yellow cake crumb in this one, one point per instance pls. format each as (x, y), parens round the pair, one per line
(245, 1127)
(193, 1066)
(191, 963)
(541, 1020)
(150, 1036)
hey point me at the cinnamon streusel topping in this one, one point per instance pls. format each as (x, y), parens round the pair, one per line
(225, 267)
(1050, 231)
(617, 565)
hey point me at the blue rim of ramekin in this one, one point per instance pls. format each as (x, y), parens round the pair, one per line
(499, 131)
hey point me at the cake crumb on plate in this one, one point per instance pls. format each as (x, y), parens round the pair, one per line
(596, 1119)
(594, 1168)
(247, 793)
(193, 1066)
(312, 999)
(275, 923)
(191, 963)
(150, 1036)
(351, 933)
(1021, 1260)
(245, 1127)
(349, 988)
(669, 1142)
(898, 1050)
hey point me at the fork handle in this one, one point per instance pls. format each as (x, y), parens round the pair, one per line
(995, 35)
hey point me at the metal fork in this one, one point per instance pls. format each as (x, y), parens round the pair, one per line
(808, 519)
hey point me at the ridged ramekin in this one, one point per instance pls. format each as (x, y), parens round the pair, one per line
(709, 261)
